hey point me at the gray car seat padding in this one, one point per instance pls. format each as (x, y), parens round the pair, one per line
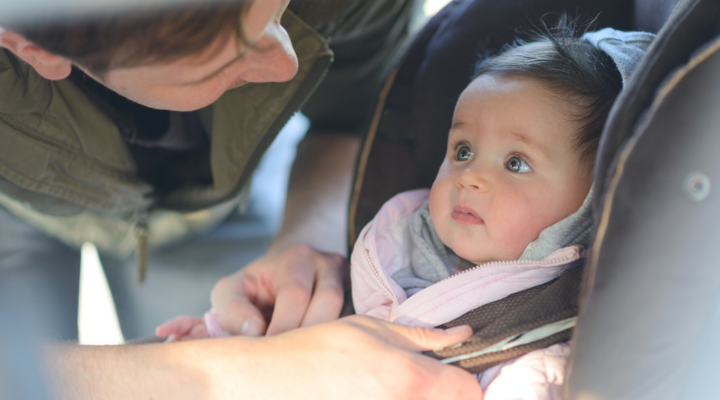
(649, 326)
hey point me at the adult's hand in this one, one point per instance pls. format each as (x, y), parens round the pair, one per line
(364, 358)
(297, 287)
(352, 358)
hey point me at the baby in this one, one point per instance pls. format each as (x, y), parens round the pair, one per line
(510, 206)
(514, 187)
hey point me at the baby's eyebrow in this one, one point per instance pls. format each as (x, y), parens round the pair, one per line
(530, 141)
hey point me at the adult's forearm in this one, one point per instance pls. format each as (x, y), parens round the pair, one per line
(318, 194)
(353, 358)
(124, 372)
(188, 370)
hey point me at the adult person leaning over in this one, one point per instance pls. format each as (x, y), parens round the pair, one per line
(125, 131)
(80, 162)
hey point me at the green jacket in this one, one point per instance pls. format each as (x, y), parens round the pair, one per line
(65, 169)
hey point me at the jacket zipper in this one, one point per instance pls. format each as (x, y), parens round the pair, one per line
(553, 261)
(378, 275)
(141, 251)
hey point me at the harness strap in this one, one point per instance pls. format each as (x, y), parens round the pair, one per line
(518, 324)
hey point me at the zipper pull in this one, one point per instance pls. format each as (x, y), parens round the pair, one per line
(141, 251)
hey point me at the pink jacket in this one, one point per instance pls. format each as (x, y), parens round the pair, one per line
(375, 258)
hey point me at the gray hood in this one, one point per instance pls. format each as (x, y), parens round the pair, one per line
(625, 49)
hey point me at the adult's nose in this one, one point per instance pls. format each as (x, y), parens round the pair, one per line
(273, 58)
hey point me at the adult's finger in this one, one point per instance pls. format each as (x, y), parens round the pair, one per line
(232, 301)
(416, 338)
(294, 290)
(327, 298)
(440, 381)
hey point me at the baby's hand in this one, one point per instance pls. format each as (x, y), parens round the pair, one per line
(185, 327)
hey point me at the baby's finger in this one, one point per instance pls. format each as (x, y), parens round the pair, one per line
(199, 332)
(180, 326)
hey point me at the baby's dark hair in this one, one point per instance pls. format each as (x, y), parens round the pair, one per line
(582, 75)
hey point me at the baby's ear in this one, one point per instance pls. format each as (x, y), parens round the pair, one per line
(48, 65)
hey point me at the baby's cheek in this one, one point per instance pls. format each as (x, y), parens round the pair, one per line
(519, 225)
(440, 198)
(438, 202)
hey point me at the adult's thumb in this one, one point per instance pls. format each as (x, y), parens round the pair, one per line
(241, 317)
(415, 338)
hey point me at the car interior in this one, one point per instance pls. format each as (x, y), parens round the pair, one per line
(649, 302)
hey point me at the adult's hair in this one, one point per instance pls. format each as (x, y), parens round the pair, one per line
(583, 76)
(145, 37)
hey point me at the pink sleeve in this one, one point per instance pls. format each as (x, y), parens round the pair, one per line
(215, 330)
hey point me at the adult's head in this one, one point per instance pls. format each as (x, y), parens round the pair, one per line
(180, 59)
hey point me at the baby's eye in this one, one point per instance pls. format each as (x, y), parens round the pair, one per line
(516, 164)
(464, 153)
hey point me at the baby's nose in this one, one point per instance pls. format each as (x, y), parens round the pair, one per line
(483, 185)
(473, 180)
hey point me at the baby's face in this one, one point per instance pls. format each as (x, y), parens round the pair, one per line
(511, 169)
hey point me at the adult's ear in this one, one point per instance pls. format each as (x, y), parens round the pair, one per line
(48, 65)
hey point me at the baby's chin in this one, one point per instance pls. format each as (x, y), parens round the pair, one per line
(474, 258)
(477, 259)
(467, 248)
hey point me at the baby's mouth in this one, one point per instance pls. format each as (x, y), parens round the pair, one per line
(466, 215)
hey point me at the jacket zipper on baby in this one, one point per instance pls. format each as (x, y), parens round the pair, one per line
(551, 262)
(378, 275)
